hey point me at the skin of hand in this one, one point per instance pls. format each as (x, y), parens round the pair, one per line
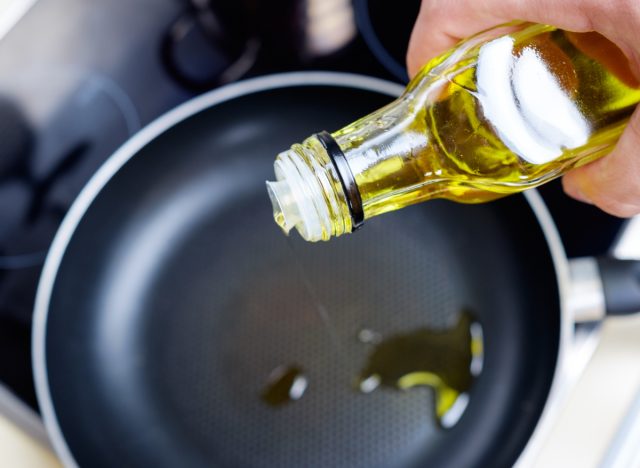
(612, 183)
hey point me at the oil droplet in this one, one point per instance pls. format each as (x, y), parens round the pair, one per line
(285, 384)
(279, 218)
(369, 336)
(445, 360)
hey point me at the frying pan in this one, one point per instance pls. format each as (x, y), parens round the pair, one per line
(169, 295)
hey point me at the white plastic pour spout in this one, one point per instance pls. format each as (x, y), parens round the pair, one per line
(285, 209)
(297, 198)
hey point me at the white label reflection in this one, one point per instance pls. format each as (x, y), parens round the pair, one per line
(531, 112)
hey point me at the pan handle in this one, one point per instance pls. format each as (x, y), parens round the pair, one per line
(603, 286)
(621, 285)
(586, 295)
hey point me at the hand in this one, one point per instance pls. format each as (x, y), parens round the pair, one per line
(612, 183)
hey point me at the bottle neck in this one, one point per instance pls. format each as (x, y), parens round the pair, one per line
(390, 152)
(309, 193)
(347, 179)
(330, 183)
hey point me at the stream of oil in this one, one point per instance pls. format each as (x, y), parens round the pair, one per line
(287, 383)
(319, 306)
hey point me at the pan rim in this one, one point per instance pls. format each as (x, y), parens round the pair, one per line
(186, 110)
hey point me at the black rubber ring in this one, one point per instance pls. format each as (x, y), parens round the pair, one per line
(348, 182)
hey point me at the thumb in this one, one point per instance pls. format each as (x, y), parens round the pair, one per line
(613, 182)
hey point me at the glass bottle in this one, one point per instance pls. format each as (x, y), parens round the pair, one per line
(506, 110)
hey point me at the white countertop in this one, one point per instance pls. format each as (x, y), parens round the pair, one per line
(589, 423)
(23, 440)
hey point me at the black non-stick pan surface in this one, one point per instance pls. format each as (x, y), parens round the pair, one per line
(170, 296)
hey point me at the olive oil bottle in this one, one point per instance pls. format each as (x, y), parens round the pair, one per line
(504, 111)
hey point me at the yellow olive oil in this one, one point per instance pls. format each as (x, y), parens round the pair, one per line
(504, 111)
(286, 384)
(447, 361)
